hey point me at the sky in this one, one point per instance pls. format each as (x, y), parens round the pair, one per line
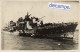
(12, 10)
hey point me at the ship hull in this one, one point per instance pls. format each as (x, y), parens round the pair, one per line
(55, 31)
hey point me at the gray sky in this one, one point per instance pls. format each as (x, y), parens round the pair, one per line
(14, 10)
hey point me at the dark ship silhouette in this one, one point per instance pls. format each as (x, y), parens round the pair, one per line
(29, 26)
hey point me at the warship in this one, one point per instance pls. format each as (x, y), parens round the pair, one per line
(33, 26)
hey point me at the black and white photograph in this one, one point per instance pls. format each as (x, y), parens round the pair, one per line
(40, 25)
